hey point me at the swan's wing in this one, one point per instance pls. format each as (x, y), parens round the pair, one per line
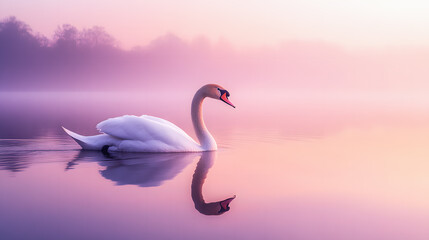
(163, 121)
(145, 129)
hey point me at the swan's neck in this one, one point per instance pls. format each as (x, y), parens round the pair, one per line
(206, 140)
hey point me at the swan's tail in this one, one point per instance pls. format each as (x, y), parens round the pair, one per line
(77, 137)
(90, 142)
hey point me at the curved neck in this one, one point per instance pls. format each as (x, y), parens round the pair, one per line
(206, 140)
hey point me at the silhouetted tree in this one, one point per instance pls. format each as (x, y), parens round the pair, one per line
(66, 37)
(17, 32)
(21, 51)
(96, 37)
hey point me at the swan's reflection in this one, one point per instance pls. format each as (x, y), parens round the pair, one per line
(141, 169)
(213, 208)
(152, 169)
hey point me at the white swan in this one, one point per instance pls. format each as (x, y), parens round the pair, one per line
(151, 134)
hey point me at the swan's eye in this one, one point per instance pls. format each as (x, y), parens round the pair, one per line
(222, 92)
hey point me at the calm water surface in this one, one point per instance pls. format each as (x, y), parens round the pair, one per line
(300, 168)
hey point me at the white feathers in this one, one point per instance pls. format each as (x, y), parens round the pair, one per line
(138, 134)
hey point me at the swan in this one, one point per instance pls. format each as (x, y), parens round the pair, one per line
(152, 134)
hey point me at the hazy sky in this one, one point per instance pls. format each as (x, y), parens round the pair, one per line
(352, 23)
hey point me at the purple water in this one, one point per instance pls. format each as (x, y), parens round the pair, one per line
(301, 167)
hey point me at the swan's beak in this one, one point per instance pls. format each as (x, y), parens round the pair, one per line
(224, 205)
(226, 100)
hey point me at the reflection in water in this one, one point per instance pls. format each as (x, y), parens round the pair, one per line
(14, 162)
(152, 169)
(141, 169)
(212, 208)
(14, 154)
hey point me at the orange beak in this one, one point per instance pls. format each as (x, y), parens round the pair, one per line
(225, 99)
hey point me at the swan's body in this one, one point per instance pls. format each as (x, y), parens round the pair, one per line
(138, 134)
(151, 134)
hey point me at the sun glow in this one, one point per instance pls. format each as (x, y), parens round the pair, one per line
(244, 23)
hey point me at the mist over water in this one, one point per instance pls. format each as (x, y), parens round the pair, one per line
(301, 166)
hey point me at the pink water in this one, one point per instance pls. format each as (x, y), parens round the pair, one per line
(302, 166)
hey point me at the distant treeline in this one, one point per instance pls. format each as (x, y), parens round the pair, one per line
(91, 59)
(30, 60)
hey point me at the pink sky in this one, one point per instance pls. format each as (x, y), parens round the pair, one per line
(352, 24)
(368, 46)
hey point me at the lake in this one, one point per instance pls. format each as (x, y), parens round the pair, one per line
(301, 166)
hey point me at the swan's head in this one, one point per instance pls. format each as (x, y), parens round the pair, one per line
(218, 92)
